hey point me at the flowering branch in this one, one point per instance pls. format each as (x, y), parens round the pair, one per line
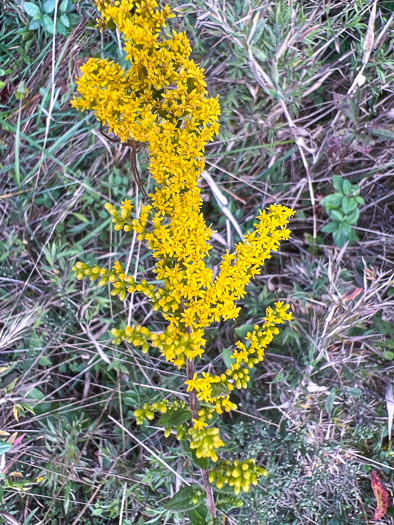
(161, 100)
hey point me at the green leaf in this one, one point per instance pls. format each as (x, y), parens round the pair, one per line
(346, 187)
(337, 183)
(336, 215)
(49, 6)
(354, 392)
(243, 330)
(219, 389)
(34, 24)
(334, 200)
(198, 516)
(64, 20)
(330, 227)
(228, 360)
(110, 24)
(175, 418)
(35, 394)
(21, 91)
(74, 19)
(330, 401)
(187, 498)
(340, 238)
(360, 200)
(31, 9)
(60, 28)
(350, 106)
(383, 132)
(4, 447)
(47, 23)
(352, 218)
(64, 6)
(348, 204)
(345, 226)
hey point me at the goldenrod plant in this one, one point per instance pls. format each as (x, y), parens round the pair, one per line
(161, 100)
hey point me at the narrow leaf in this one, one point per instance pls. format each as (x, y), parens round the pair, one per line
(9, 519)
(383, 132)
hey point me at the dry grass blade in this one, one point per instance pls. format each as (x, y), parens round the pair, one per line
(10, 334)
(149, 450)
(390, 408)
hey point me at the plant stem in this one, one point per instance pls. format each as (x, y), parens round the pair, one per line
(204, 473)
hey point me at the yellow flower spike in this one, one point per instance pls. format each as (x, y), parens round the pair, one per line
(160, 101)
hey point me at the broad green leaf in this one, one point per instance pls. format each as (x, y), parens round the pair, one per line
(337, 183)
(49, 6)
(35, 394)
(330, 227)
(360, 200)
(346, 187)
(340, 238)
(175, 418)
(219, 389)
(60, 28)
(334, 200)
(345, 226)
(348, 204)
(31, 8)
(198, 516)
(352, 218)
(64, 6)
(226, 354)
(187, 498)
(47, 23)
(34, 24)
(64, 20)
(336, 215)
(4, 447)
(243, 330)
(74, 19)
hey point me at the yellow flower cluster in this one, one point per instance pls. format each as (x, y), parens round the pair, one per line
(121, 282)
(215, 389)
(161, 100)
(122, 220)
(177, 415)
(240, 474)
(175, 346)
(148, 411)
(205, 442)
